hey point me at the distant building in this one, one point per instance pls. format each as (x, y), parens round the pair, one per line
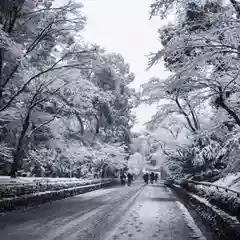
(153, 162)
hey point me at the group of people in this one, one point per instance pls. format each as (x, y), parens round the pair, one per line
(126, 177)
(153, 177)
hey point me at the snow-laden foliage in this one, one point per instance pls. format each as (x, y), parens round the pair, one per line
(226, 201)
(65, 107)
(200, 48)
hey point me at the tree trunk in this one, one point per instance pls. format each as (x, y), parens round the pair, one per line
(194, 116)
(226, 108)
(1, 77)
(185, 115)
(97, 125)
(80, 122)
(17, 155)
(12, 21)
(236, 6)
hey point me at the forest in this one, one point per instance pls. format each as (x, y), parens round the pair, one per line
(197, 119)
(66, 107)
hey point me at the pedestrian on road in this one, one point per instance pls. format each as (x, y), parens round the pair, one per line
(130, 178)
(123, 178)
(156, 177)
(152, 177)
(146, 177)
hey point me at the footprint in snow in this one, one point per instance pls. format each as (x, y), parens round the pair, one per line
(154, 235)
(115, 237)
(122, 233)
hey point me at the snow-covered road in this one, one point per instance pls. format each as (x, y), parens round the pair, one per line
(133, 213)
(156, 214)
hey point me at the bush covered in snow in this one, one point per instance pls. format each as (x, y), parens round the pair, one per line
(225, 226)
(33, 199)
(226, 201)
(7, 191)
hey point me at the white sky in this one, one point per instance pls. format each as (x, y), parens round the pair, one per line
(123, 26)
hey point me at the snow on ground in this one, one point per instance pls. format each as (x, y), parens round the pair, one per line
(231, 181)
(156, 215)
(32, 180)
(86, 217)
(195, 231)
(236, 186)
(94, 194)
(226, 181)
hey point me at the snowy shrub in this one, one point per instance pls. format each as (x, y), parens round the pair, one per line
(225, 201)
(225, 226)
(33, 199)
(13, 191)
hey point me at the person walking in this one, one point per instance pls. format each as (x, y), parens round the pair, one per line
(146, 177)
(129, 178)
(156, 177)
(123, 178)
(152, 177)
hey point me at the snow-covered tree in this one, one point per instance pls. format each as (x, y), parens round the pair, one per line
(63, 104)
(200, 48)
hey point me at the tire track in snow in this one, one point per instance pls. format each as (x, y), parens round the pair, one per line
(91, 224)
(88, 216)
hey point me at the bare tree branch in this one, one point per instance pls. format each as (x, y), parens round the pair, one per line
(52, 68)
(40, 126)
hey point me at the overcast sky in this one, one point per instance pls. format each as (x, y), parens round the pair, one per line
(123, 26)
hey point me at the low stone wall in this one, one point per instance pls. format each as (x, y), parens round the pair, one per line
(17, 190)
(13, 203)
(227, 202)
(225, 226)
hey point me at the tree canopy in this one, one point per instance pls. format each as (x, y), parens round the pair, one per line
(200, 49)
(65, 106)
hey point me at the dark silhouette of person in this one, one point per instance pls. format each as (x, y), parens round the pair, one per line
(152, 177)
(123, 178)
(146, 177)
(129, 178)
(156, 177)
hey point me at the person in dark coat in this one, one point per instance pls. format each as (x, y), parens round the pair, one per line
(146, 178)
(129, 178)
(156, 177)
(152, 177)
(123, 178)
